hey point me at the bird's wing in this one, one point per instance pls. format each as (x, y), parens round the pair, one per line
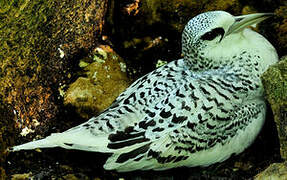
(199, 114)
(171, 143)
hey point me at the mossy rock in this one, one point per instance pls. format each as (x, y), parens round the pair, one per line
(41, 42)
(102, 82)
(275, 84)
(276, 171)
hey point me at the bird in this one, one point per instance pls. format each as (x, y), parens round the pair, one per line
(193, 111)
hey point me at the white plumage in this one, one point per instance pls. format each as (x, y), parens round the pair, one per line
(194, 111)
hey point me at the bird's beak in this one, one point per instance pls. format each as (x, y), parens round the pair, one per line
(244, 21)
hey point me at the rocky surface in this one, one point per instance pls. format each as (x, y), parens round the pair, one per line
(275, 83)
(276, 171)
(100, 84)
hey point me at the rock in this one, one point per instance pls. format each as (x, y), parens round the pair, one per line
(7, 133)
(37, 51)
(39, 40)
(281, 28)
(276, 171)
(104, 79)
(24, 176)
(275, 84)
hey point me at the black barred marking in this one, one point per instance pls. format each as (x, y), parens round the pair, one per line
(205, 108)
(184, 106)
(120, 111)
(168, 159)
(132, 154)
(236, 88)
(191, 86)
(192, 95)
(204, 90)
(222, 82)
(223, 86)
(171, 105)
(69, 144)
(157, 89)
(152, 153)
(191, 125)
(228, 118)
(229, 127)
(209, 126)
(164, 114)
(130, 142)
(199, 148)
(128, 109)
(169, 75)
(145, 124)
(211, 143)
(221, 94)
(142, 95)
(132, 96)
(129, 133)
(179, 94)
(180, 158)
(141, 86)
(155, 84)
(86, 125)
(223, 110)
(149, 113)
(109, 125)
(184, 73)
(139, 158)
(158, 129)
(178, 119)
(126, 101)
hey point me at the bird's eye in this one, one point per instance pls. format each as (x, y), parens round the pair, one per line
(213, 34)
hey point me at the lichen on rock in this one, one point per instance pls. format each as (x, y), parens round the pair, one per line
(102, 81)
(276, 171)
(275, 84)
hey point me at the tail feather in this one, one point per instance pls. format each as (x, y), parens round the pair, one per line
(69, 140)
(42, 143)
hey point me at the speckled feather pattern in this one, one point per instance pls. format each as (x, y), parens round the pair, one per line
(193, 111)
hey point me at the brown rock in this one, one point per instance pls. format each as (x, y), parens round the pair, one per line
(40, 40)
(104, 80)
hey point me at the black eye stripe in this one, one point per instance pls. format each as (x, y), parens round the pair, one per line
(213, 34)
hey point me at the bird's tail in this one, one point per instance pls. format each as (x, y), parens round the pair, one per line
(72, 139)
(42, 143)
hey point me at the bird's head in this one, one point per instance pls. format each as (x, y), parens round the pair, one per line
(207, 34)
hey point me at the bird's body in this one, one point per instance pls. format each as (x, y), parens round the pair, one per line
(194, 111)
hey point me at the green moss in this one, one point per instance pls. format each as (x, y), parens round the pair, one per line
(275, 84)
(23, 36)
